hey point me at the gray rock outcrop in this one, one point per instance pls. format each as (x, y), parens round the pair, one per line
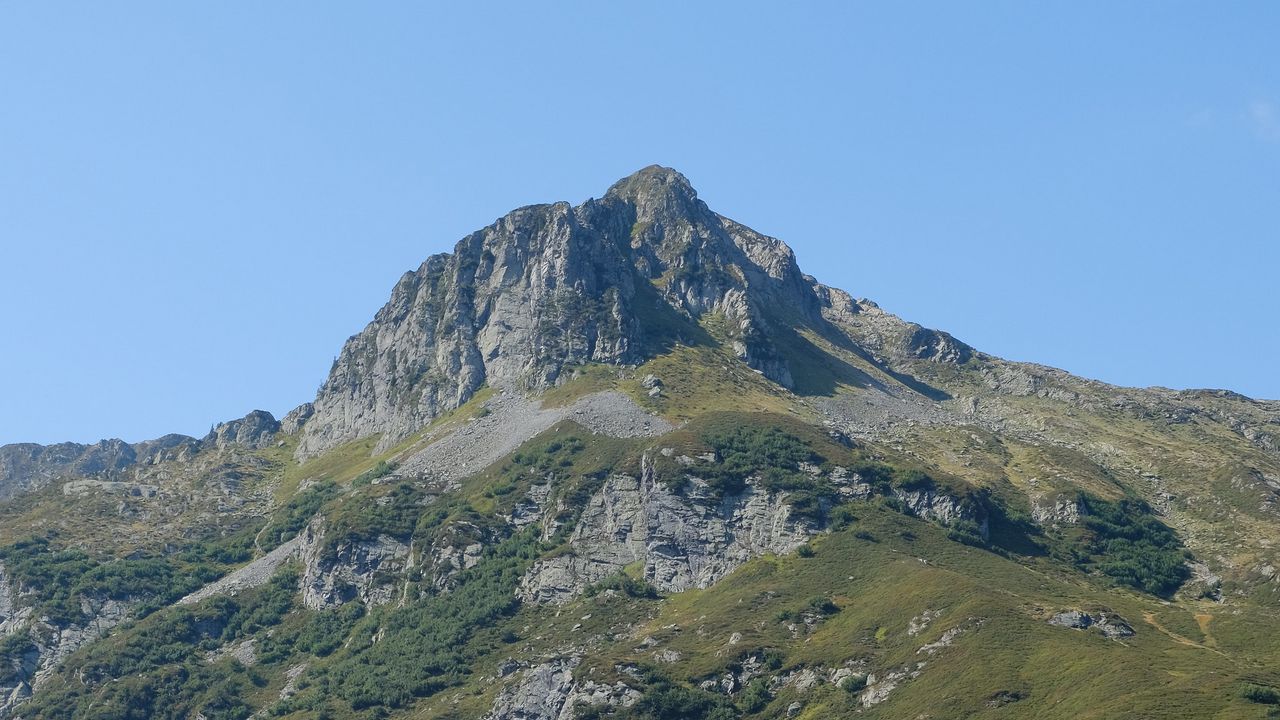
(549, 286)
(680, 544)
(27, 466)
(548, 691)
(296, 418)
(1109, 625)
(363, 570)
(936, 506)
(252, 431)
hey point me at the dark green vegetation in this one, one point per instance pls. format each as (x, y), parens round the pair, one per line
(1262, 695)
(429, 645)
(296, 513)
(157, 668)
(666, 700)
(61, 582)
(1126, 542)
(794, 612)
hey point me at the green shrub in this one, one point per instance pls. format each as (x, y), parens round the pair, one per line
(772, 456)
(326, 630)
(967, 532)
(1125, 541)
(772, 658)
(756, 696)
(625, 584)
(377, 472)
(842, 517)
(912, 479)
(289, 520)
(854, 683)
(823, 605)
(12, 649)
(1261, 694)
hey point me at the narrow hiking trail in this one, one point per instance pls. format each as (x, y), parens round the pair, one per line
(1150, 617)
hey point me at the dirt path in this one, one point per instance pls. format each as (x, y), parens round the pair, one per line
(1203, 620)
(1150, 617)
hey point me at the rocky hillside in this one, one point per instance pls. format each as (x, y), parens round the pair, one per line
(624, 459)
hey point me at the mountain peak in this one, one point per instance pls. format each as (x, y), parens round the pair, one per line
(554, 286)
(653, 176)
(656, 187)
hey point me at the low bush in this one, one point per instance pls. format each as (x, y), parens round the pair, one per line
(1126, 542)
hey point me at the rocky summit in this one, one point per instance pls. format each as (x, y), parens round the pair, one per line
(624, 459)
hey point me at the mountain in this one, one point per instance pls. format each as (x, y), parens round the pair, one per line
(626, 460)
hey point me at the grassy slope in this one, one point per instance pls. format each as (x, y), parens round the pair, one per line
(1190, 658)
(1170, 669)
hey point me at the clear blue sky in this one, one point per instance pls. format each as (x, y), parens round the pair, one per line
(200, 201)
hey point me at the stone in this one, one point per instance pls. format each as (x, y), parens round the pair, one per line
(296, 418)
(1109, 625)
(548, 287)
(679, 544)
(548, 691)
(363, 570)
(253, 431)
(1072, 619)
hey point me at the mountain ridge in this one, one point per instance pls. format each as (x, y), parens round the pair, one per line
(625, 459)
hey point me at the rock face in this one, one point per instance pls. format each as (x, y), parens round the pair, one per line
(361, 570)
(929, 504)
(28, 466)
(679, 544)
(47, 644)
(1056, 511)
(253, 431)
(1109, 625)
(549, 692)
(553, 285)
(296, 418)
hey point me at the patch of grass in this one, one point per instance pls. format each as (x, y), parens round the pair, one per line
(581, 380)
(1004, 643)
(706, 378)
(340, 465)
